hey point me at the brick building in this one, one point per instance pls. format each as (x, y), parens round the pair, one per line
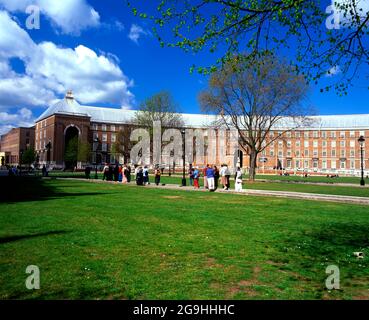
(14, 143)
(329, 145)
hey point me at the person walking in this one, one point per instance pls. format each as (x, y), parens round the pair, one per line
(87, 172)
(210, 177)
(223, 178)
(139, 176)
(129, 174)
(146, 176)
(125, 174)
(238, 180)
(116, 172)
(228, 177)
(196, 177)
(216, 177)
(157, 175)
(190, 174)
(205, 178)
(120, 175)
(105, 172)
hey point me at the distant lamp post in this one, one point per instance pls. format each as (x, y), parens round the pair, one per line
(361, 141)
(96, 141)
(183, 131)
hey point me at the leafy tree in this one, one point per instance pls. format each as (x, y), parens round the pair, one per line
(256, 99)
(323, 40)
(29, 156)
(123, 145)
(84, 151)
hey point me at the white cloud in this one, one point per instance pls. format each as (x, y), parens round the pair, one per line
(136, 32)
(51, 70)
(23, 118)
(70, 16)
(333, 71)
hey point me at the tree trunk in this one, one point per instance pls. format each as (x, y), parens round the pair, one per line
(252, 172)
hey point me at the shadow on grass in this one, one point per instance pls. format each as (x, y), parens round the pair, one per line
(332, 243)
(30, 236)
(23, 189)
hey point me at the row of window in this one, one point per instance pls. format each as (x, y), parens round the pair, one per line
(105, 127)
(325, 164)
(317, 134)
(315, 153)
(333, 144)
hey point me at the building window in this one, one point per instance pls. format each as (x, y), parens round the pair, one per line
(306, 144)
(288, 134)
(306, 134)
(342, 134)
(271, 134)
(352, 164)
(333, 164)
(289, 144)
(352, 153)
(113, 137)
(95, 127)
(324, 135)
(103, 127)
(333, 152)
(297, 153)
(316, 134)
(315, 153)
(297, 163)
(324, 153)
(280, 144)
(343, 165)
(289, 163)
(315, 143)
(333, 134)
(45, 134)
(315, 164)
(306, 152)
(298, 144)
(280, 154)
(306, 164)
(342, 144)
(288, 153)
(96, 136)
(297, 135)
(112, 128)
(271, 153)
(352, 134)
(362, 133)
(104, 147)
(352, 143)
(104, 137)
(324, 164)
(324, 144)
(343, 153)
(333, 144)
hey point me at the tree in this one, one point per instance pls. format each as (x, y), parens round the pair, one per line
(29, 156)
(84, 151)
(123, 144)
(320, 39)
(160, 107)
(256, 99)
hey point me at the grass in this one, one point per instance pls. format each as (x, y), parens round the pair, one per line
(98, 241)
(297, 178)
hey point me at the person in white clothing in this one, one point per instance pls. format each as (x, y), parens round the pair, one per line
(238, 180)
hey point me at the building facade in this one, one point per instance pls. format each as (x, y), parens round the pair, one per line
(14, 143)
(329, 146)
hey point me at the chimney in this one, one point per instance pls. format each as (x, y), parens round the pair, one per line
(69, 95)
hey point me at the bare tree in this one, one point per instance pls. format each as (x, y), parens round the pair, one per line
(160, 107)
(255, 100)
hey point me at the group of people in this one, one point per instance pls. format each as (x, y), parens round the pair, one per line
(117, 173)
(212, 175)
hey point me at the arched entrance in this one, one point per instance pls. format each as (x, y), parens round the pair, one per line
(71, 147)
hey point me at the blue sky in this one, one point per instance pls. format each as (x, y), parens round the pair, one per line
(107, 57)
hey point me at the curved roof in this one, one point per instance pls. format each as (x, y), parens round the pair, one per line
(69, 106)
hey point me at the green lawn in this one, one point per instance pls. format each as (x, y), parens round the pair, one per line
(99, 241)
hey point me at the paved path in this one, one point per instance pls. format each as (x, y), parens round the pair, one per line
(268, 193)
